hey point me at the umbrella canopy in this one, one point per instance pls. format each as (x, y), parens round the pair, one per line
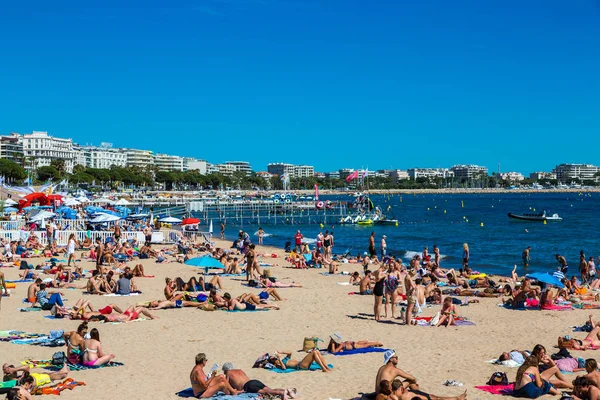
(546, 278)
(10, 209)
(102, 200)
(123, 202)
(190, 221)
(205, 262)
(41, 216)
(10, 202)
(170, 220)
(82, 199)
(71, 202)
(101, 218)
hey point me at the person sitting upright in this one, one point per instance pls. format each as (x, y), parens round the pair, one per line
(205, 386)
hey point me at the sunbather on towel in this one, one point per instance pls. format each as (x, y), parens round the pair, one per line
(245, 302)
(284, 360)
(529, 383)
(23, 374)
(488, 292)
(240, 381)
(158, 305)
(267, 283)
(517, 356)
(390, 372)
(93, 354)
(591, 341)
(208, 385)
(336, 345)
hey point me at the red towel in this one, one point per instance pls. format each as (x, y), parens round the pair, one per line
(498, 389)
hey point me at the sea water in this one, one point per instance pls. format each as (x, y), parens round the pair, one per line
(496, 242)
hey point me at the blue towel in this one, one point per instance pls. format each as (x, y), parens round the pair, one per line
(190, 393)
(313, 367)
(28, 309)
(359, 351)
(258, 309)
(20, 281)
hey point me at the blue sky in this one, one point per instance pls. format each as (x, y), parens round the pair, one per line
(334, 84)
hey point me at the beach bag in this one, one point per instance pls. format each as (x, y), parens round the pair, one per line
(59, 358)
(310, 343)
(74, 359)
(497, 379)
(434, 321)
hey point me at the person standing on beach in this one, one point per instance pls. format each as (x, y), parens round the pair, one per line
(372, 251)
(526, 257)
(466, 255)
(99, 254)
(222, 230)
(383, 247)
(564, 267)
(298, 241)
(320, 238)
(436, 255)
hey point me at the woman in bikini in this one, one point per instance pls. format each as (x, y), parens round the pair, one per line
(284, 360)
(391, 285)
(378, 290)
(529, 383)
(448, 313)
(93, 356)
(75, 343)
(337, 346)
(266, 282)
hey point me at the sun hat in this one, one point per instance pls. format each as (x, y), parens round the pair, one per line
(336, 337)
(388, 355)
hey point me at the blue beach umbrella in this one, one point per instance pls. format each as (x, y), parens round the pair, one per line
(11, 209)
(206, 262)
(546, 278)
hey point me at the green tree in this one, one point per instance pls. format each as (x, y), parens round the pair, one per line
(60, 165)
(12, 171)
(47, 172)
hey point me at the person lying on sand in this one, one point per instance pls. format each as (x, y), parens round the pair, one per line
(245, 303)
(488, 292)
(40, 379)
(159, 305)
(390, 372)
(112, 313)
(267, 283)
(240, 381)
(284, 360)
(336, 345)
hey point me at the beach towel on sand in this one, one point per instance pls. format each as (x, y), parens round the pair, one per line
(506, 363)
(425, 321)
(358, 351)
(505, 390)
(257, 309)
(59, 387)
(190, 393)
(47, 364)
(30, 309)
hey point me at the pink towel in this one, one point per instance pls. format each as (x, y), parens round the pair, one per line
(554, 307)
(498, 389)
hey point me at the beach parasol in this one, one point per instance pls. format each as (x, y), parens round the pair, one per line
(190, 221)
(71, 202)
(123, 202)
(10, 202)
(546, 278)
(170, 220)
(102, 218)
(206, 262)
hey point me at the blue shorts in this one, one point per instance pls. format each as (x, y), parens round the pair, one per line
(532, 391)
(368, 291)
(473, 282)
(178, 303)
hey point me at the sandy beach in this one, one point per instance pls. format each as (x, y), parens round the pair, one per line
(158, 355)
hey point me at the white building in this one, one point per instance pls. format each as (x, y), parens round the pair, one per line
(512, 176)
(79, 157)
(211, 169)
(399, 175)
(43, 149)
(304, 171)
(240, 166)
(139, 158)
(538, 176)
(165, 162)
(469, 171)
(226, 169)
(104, 156)
(567, 172)
(192, 164)
(280, 169)
(11, 147)
(429, 173)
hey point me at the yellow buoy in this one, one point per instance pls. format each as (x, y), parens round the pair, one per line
(444, 211)
(427, 208)
(466, 220)
(462, 204)
(544, 222)
(396, 223)
(322, 226)
(481, 224)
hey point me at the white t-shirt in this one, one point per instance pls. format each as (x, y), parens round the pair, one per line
(71, 247)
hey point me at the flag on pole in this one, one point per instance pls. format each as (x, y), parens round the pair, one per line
(316, 192)
(353, 175)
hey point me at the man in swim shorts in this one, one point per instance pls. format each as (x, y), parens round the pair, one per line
(365, 284)
(240, 381)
